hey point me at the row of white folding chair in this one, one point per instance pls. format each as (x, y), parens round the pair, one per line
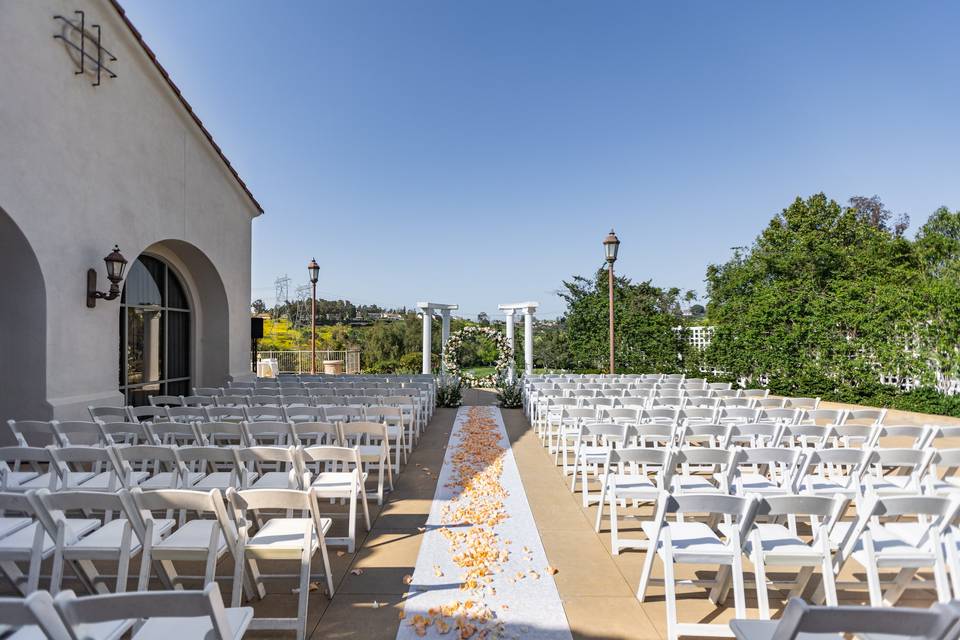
(200, 459)
(195, 614)
(910, 540)
(165, 540)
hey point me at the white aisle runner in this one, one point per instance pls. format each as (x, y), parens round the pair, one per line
(490, 578)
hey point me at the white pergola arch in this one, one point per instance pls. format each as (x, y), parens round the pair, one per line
(529, 309)
(426, 311)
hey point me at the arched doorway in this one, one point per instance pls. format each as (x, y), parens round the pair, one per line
(23, 328)
(156, 332)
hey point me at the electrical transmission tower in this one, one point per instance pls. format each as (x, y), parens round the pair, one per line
(282, 290)
(301, 311)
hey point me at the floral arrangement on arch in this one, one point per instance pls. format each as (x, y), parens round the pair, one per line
(451, 355)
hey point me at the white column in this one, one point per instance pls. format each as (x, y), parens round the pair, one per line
(528, 340)
(444, 332)
(427, 321)
(512, 373)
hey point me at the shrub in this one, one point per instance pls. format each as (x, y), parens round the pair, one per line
(449, 392)
(509, 394)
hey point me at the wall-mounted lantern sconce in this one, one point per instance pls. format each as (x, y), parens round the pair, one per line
(116, 263)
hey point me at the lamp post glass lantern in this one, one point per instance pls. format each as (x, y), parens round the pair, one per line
(611, 245)
(116, 264)
(314, 270)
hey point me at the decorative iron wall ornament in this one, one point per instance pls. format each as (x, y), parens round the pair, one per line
(71, 32)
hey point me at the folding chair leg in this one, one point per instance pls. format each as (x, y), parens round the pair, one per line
(647, 563)
(603, 496)
(828, 582)
(238, 579)
(304, 594)
(670, 595)
(352, 520)
(760, 574)
(739, 595)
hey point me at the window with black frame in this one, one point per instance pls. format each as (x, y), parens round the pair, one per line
(154, 332)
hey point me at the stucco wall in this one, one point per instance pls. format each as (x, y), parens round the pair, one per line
(84, 167)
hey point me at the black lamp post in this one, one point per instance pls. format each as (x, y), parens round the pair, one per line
(116, 264)
(314, 270)
(611, 244)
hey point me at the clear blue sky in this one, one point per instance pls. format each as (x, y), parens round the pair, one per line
(477, 151)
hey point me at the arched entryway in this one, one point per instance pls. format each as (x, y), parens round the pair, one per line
(174, 323)
(23, 327)
(156, 322)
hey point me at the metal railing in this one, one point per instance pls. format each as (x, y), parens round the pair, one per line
(299, 361)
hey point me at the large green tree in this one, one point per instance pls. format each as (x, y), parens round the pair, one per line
(646, 318)
(824, 299)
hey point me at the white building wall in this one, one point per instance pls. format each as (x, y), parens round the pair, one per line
(83, 168)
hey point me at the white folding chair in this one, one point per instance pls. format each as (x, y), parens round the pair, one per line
(113, 540)
(634, 474)
(764, 471)
(305, 434)
(591, 447)
(337, 473)
(279, 538)
(203, 539)
(372, 442)
(688, 541)
(776, 543)
(898, 532)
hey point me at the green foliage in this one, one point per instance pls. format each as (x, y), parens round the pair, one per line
(509, 394)
(823, 300)
(449, 392)
(645, 317)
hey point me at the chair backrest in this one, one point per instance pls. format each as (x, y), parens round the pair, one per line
(54, 508)
(34, 610)
(780, 414)
(262, 400)
(800, 618)
(198, 401)
(147, 413)
(715, 435)
(151, 458)
(297, 400)
(802, 403)
(193, 413)
(304, 414)
(33, 433)
(78, 432)
(272, 414)
(696, 414)
(314, 433)
(173, 433)
(11, 459)
(213, 433)
(97, 459)
(824, 416)
(737, 414)
(266, 432)
(138, 605)
(224, 414)
(322, 454)
(166, 401)
(124, 432)
(211, 392)
(109, 414)
(661, 415)
(866, 416)
(769, 403)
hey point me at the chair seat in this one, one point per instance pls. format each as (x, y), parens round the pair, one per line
(632, 486)
(20, 542)
(102, 481)
(104, 542)
(10, 524)
(191, 537)
(693, 484)
(891, 550)
(369, 452)
(282, 538)
(888, 485)
(948, 486)
(273, 480)
(692, 542)
(109, 630)
(164, 480)
(828, 485)
(17, 478)
(194, 627)
(765, 629)
(758, 483)
(780, 547)
(336, 482)
(222, 480)
(42, 481)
